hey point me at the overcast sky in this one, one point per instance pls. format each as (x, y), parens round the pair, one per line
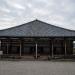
(58, 12)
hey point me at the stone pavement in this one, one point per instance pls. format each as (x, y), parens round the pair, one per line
(36, 68)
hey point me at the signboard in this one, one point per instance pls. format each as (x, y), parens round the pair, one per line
(1, 52)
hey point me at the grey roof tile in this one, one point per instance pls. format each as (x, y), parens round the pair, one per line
(37, 28)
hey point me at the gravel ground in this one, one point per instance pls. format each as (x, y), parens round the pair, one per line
(36, 68)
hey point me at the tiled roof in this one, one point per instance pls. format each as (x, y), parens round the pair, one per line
(37, 28)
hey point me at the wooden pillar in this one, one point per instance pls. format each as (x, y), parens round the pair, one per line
(7, 47)
(65, 48)
(20, 48)
(0, 44)
(72, 46)
(36, 50)
(52, 49)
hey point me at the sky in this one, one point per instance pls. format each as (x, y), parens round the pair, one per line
(57, 12)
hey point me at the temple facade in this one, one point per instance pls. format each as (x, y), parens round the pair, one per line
(37, 39)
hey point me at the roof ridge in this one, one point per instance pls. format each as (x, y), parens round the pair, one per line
(37, 21)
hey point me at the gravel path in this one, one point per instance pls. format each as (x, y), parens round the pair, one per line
(36, 68)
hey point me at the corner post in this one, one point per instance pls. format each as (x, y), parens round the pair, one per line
(0, 44)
